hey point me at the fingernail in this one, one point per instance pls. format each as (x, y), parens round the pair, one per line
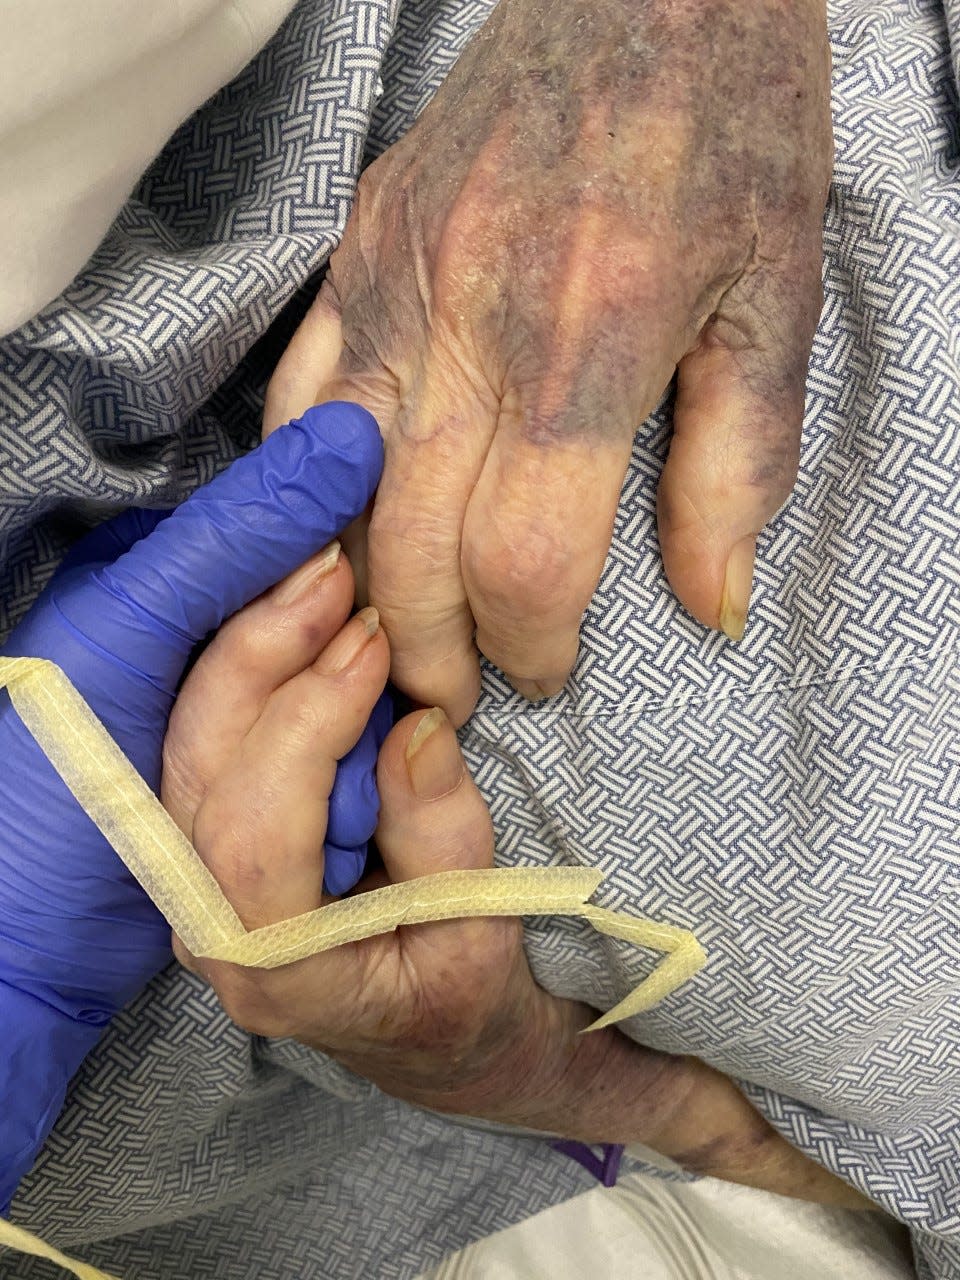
(345, 647)
(737, 584)
(434, 762)
(317, 567)
(537, 690)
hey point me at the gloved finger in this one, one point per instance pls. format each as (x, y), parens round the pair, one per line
(432, 817)
(535, 538)
(736, 440)
(109, 540)
(342, 868)
(261, 826)
(237, 536)
(354, 804)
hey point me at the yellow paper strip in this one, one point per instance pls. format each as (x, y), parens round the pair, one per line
(173, 874)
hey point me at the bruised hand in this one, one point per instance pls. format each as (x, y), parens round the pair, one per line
(446, 1015)
(603, 194)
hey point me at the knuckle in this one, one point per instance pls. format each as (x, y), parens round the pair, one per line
(241, 647)
(308, 720)
(528, 569)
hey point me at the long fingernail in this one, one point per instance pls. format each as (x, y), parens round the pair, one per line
(737, 585)
(345, 647)
(434, 762)
(298, 584)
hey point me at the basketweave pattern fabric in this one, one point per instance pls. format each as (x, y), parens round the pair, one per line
(114, 395)
(793, 799)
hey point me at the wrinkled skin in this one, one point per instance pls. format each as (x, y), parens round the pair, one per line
(445, 1015)
(603, 193)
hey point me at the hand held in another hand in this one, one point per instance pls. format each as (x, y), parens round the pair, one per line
(78, 936)
(445, 1015)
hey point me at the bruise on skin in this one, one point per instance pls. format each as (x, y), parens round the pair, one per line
(589, 185)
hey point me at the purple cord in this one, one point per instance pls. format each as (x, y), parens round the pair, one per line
(605, 1169)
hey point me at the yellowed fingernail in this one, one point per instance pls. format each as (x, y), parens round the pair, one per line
(737, 585)
(300, 582)
(345, 647)
(434, 762)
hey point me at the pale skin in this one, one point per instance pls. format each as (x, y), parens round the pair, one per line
(604, 194)
(446, 1016)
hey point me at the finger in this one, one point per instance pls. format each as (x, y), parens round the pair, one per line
(237, 536)
(309, 362)
(435, 456)
(432, 815)
(256, 651)
(185, 958)
(406, 558)
(307, 375)
(735, 449)
(261, 827)
(435, 445)
(535, 539)
(110, 539)
(538, 527)
(354, 805)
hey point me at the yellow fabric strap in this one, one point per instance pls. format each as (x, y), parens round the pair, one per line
(171, 871)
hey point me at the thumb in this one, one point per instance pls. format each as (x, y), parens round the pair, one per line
(733, 460)
(231, 540)
(432, 817)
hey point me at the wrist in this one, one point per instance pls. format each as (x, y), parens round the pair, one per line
(599, 1087)
(539, 1072)
(604, 1088)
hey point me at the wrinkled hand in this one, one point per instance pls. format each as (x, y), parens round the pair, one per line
(445, 1015)
(602, 193)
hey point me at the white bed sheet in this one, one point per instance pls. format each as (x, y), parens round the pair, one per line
(647, 1228)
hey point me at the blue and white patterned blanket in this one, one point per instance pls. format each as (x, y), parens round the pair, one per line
(795, 799)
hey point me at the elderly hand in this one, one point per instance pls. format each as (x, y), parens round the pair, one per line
(444, 1015)
(78, 936)
(603, 193)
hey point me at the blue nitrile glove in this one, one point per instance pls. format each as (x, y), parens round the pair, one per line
(354, 804)
(78, 936)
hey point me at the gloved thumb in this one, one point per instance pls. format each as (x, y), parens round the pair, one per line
(109, 540)
(231, 540)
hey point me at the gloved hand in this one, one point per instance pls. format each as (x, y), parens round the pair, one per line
(78, 936)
